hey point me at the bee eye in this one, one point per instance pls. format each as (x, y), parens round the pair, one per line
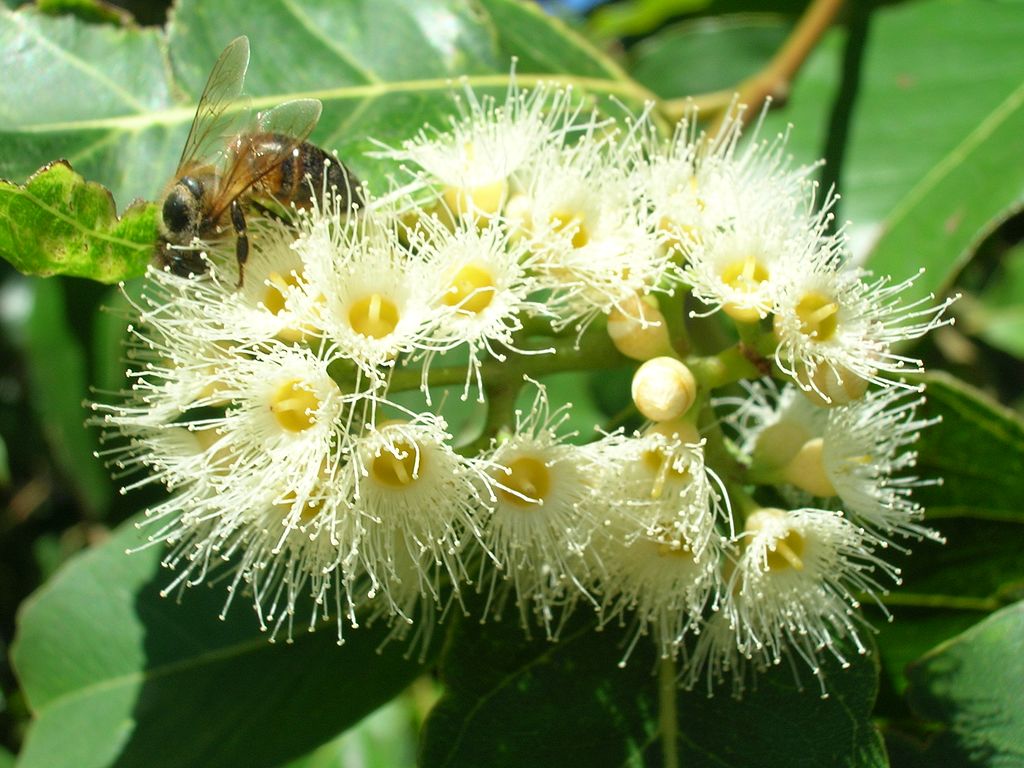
(178, 212)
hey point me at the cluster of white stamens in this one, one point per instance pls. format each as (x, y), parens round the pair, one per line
(278, 414)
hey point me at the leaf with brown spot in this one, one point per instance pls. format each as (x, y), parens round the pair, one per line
(58, 223)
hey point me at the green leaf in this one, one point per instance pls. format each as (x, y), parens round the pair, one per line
(511, 702)
(972, 686)
(708, 54)
(948, 588)
(385, 739)
(5, 466)
(978, 450)
(59, 382)
(115, 674)
(928, 106)
(542, 43)
(90, 94)
(60, 224)
(6, 759)
(634, 17)
(947, 214)
(911, 633)
(997, 313)
(978, 569)
(95, 11)
(382, 69)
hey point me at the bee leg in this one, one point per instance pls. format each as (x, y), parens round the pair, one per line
(241, 239)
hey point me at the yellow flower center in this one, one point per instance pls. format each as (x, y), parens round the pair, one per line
(397, 468)
(663, 463)
(472, 289)
(683, 233)
(745, 275)
(571, 224)
(277, 287)
(309, 509)
(374, 316)
(787, 553)
(294, 406)
(679, 235)
(480, 203)
(275, 299)
(528, 481)
(819, 316)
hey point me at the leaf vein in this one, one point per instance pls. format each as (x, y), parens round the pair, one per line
(80, 64)
(94, 233)
(175, 115)
(948, 163)
(317, 33)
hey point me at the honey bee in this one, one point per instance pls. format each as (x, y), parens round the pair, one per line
(228, 166)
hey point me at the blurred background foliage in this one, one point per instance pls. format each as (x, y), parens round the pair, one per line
(916, 108)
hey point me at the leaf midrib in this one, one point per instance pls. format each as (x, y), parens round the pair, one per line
(184, 114)
(956, 156)
(253, 645)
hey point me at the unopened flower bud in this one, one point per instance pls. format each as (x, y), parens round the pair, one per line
(663, 388)
(806, 470)
(778, 444)
(638, 330)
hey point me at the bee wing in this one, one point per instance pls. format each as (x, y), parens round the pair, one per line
(295, 119)
(214, 124)
(291, 123)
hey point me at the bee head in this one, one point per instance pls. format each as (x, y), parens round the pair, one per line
(182, 211)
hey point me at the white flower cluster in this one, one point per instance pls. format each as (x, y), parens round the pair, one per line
(272, 411)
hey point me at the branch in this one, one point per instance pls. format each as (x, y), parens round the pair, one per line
(667, 716)
(772, 81)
